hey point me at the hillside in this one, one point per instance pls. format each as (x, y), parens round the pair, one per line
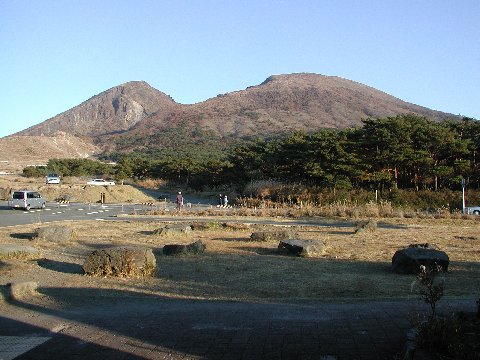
(135, 115)
(20, 151)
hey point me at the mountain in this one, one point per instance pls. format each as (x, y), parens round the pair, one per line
(112, 111)
(136, 115)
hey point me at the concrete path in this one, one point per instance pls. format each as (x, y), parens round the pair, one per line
(156, 328)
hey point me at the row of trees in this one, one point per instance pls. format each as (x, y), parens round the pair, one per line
(407, 152)
(71, 167)
(404, 152)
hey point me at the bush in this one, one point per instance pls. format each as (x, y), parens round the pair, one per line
(271, 193)
(456, 336)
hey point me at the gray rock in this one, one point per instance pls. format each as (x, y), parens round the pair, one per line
(173, 229)
(55, 233)
(18, 290)
(369, 225)
(178, 249)
(13, 250)
(120, 261)
(305, 248)
(409, 260)
(198, 225)
(273, 235)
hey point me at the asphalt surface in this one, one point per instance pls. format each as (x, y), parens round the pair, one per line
(120, 212)
(157, 328)
(77, 211)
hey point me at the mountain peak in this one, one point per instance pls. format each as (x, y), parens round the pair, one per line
(299, 101)
(114, 110)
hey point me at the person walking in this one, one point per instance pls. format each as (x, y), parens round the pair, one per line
(220, 201)
(179, 200)
(225, 201)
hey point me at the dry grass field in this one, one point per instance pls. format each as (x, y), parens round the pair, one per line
(353, 267)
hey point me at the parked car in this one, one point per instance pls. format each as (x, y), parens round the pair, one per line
(26, 200)
(52, 179)
(100, 182)
(475, 210)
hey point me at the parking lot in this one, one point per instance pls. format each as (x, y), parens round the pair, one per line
(76, 211)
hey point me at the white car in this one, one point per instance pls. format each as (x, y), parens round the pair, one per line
(100, 182)
(52, 179)
(475, 210)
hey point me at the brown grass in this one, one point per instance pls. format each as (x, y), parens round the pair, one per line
(235, 268)
(343, 209)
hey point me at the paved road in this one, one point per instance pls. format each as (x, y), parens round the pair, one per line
(158, 328)
(114, 212)
(77, 211)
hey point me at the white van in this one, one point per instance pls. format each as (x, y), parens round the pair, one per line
(26, 200)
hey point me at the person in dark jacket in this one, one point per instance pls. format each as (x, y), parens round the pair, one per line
(179, 200)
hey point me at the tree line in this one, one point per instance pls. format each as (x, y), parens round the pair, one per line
(401, 152)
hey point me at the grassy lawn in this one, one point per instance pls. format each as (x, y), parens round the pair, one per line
(353, 267)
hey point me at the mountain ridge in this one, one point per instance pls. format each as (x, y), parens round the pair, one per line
(282, 103)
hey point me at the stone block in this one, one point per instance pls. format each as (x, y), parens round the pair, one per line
(307, 248)
(121, 261)
(179, 249)
(409, 260)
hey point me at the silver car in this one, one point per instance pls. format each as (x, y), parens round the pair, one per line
(100, 182)
(475, 210)
(26, 200)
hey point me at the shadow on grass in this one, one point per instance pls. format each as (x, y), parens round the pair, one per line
(60, 266)
(23, 236)
(262, 250)
(340, 232)
(236, 239)
(95, 246)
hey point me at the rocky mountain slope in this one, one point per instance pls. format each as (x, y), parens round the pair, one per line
(115, 110)
(133, 112)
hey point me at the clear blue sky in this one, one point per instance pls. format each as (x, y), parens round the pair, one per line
(56, 54)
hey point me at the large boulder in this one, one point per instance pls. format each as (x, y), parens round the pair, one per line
(305, 248)
(273, 235)
(19, 290)
(120, 261)
(179, 249)
(55, 233)
(409, 260)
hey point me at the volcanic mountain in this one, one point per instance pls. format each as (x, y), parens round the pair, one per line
(112, 111)
(134, 111)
